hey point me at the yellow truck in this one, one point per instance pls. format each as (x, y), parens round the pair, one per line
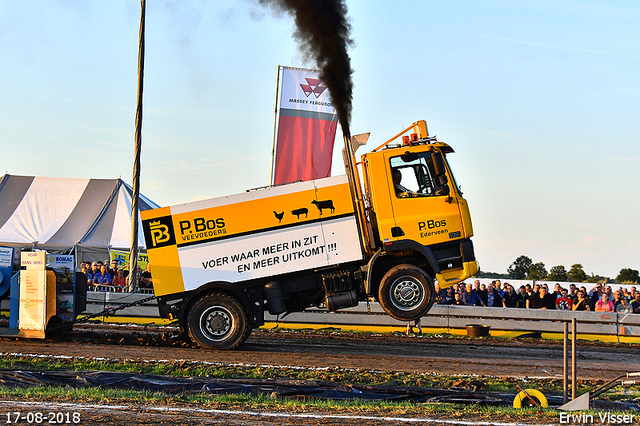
(384, 231)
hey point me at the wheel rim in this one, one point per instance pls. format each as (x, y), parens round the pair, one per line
(216, 323)
(407, 293)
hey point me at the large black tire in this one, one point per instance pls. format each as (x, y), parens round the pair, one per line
(406, 292)
(218, 321)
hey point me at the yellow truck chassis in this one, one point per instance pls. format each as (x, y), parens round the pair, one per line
(383, 232)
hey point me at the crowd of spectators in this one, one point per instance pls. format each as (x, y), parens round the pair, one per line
(495, 294)
(108, 276)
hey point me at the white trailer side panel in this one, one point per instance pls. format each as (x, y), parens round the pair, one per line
(271, 253)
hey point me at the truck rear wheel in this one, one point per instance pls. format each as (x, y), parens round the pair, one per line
(218, 321)
(406, 292)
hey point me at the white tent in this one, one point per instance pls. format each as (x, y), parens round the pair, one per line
(86, 217)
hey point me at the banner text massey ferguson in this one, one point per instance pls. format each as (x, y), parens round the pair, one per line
(310, 102)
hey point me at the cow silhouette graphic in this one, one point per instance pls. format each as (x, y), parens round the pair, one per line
(298, 212)
(324, 204)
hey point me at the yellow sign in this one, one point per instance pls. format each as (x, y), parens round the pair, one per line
(122, 257)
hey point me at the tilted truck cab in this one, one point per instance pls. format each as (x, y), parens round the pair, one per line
(421, 210)
(218, 264)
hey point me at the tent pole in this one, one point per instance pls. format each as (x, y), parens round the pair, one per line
(275, 125)
(133, 258)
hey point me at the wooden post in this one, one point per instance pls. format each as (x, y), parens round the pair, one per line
(133, 257)
(565, 364)
(574, 383)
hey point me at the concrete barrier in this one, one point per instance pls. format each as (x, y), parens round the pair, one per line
(440, 316)
(99, 301)
(508, 319)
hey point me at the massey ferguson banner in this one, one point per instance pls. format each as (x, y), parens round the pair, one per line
(306, 129)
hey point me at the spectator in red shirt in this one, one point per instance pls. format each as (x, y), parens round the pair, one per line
(564, 301)
(119, 281)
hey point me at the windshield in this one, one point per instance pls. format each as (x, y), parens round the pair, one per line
(414, 175)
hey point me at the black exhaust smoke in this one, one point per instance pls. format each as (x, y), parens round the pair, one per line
(323, 35)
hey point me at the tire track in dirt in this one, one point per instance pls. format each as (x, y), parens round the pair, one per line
(316, 350)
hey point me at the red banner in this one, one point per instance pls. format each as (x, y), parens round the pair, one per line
(304, 150)
(307, 126)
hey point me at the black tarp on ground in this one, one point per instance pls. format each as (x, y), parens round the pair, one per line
(279, 387)
(276, 387)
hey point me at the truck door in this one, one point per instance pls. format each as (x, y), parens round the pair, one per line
(423, 198)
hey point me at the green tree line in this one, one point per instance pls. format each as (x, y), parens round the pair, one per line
(523, 268)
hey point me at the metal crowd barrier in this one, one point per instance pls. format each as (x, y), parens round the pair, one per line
(440, 316)
(105, 288)
(452, 316)
(98, 301)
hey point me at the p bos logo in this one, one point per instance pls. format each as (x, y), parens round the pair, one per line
(431, 224)
(159, 232)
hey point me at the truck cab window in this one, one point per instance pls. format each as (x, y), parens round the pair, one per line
(414, 175)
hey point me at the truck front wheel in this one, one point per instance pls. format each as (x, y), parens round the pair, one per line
(218, 321)
(406, 292)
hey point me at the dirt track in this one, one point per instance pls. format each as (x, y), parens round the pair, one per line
(489, 357)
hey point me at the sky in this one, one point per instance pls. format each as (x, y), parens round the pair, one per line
(539, 99)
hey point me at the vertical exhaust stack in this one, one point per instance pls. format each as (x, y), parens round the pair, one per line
(350, 164)
(323, 35)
